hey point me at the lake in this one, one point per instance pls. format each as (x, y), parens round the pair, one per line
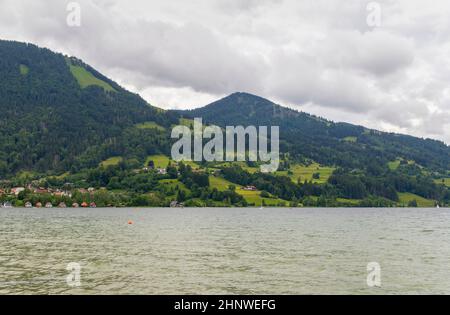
(224, 251)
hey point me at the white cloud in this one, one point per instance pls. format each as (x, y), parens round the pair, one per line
(316, 55)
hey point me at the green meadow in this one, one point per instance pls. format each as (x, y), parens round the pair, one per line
(24, 70)
(351, 139)
(160, 160)
(252, 197)
(111, 161)
(443, 181)
(406, 198)
(394, 165)
(86, 79)
(150, 125)
(301, 172)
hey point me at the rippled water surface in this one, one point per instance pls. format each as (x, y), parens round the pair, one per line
(224, 251)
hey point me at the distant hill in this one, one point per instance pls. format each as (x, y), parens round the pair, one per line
(58, 113)
(309, 137)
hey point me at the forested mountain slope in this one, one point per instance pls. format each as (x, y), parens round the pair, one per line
(58, 113)
(310, 137)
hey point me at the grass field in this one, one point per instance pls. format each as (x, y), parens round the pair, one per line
(85, 78)
(445, 181)
(220, 183)
(24, 70)
(394, 165)
(161, 161)
(307, 172)
(150, 125)
(111, 161)
(405, 198)
(62, 176)
(252, 197)
(351, 139)
(353, 202)
(251, 170)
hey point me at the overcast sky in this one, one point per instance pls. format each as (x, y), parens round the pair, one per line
(327, 57)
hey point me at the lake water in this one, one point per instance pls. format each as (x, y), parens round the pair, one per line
(224, 251)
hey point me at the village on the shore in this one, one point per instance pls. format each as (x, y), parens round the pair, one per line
(58, 193)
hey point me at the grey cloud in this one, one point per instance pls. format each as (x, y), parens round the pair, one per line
(377, 52)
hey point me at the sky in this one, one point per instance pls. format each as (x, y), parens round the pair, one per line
(382, 64)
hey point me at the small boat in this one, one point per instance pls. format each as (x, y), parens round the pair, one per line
(84, 205)
(38, 205)
(62, 205)
(48, 205)
(93, 205)
(75, 205)
(28, 205)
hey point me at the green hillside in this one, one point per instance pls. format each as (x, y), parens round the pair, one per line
(67, 127)
(85, 78)
(59, 114)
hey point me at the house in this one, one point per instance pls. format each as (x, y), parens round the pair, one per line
(249, 188)
(2, 192)
(17, 190)
(83, 191)
(67, 194)
(162, 171)
(28, 205)
(41, 191)
(91, 189)
(60, 193)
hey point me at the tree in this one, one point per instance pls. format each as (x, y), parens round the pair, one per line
(181, 196)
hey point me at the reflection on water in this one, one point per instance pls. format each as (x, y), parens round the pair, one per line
(224, 251)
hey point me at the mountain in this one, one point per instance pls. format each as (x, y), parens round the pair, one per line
(60, 114)
(309, 137)
(66, 128)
